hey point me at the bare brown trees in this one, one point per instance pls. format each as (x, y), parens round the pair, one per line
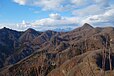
(106, 54)
(93, 74)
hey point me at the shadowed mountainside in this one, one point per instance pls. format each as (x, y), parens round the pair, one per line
(50, 53)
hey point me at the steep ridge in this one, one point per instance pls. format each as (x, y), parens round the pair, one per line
(45, 36)
(25, 47)
(47, 53)
(8, 41)
(29, 35)
(87, 64)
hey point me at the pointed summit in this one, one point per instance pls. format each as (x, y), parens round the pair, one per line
(29, 35)
(30, 30)
(87, 26)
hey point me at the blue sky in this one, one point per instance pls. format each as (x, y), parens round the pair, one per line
(55, 14)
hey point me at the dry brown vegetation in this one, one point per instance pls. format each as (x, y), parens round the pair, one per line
(85, 51)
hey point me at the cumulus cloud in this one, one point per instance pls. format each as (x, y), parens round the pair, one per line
(92, 11)
(78, 3)
(21, 2)
(96, 7)
(99, 13)
(54, 21)
(45, 4)
(61, 4)
(102, 3)
(54, 4)
(55, 16)
(23, 25)
(104, 18)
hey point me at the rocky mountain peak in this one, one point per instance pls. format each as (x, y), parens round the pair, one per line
(30, 30)
(36, 53)
(87, 26)
(6, 29)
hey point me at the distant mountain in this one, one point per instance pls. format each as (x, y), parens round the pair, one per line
(78, 52)
(63, 30)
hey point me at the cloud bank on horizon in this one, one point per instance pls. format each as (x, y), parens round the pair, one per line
(95, 12)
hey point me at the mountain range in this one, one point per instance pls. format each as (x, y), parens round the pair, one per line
(79, 52)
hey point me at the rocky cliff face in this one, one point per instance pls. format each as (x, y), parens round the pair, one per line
(51, 53)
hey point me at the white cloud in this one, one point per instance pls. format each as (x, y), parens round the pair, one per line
(104, 18)
(22, 26)
(102, 3)
(21, 2)
(54, 21)
(55, 16)
(57, 21)
(91, 11)
(54, 4)
(95, 7)
(49, 4)
(98, 13)
(61, 4)
(45, 4)
(78, 3)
